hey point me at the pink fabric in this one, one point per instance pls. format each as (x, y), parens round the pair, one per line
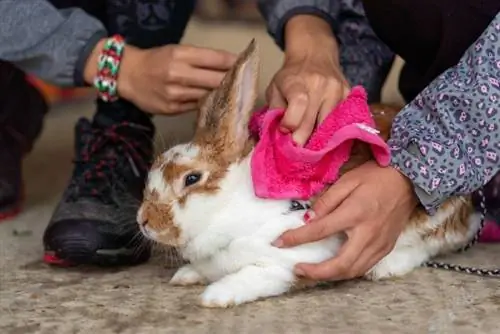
(281, 169)
(490, 232)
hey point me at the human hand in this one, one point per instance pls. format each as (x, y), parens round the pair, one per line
(170, 79)
(371, 204)
(310, 83)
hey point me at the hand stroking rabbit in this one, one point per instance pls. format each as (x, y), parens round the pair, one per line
(199, 198)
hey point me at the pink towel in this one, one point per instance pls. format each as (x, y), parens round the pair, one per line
(283, 170)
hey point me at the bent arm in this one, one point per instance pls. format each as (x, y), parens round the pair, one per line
(447, 140)
(48, 43)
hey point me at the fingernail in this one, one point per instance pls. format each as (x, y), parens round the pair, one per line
(309, 215)
(277, 243)
(284, 130)
(299, 272)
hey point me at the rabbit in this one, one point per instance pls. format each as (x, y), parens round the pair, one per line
(199, 198)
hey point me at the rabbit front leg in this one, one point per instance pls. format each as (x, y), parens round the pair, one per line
(248, 284)
(187, 275)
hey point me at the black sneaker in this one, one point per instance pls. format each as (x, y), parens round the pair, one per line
(95, 222)
(22, 109)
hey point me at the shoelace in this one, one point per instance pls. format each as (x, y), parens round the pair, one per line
(101, 177)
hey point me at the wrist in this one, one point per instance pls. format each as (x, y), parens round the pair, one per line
(131, 58)
(407, 184)
(125, 67)
(91, 65)
(307, 35)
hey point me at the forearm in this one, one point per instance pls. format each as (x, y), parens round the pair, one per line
(278, 12)
(304, 33)
(447, 140)
(51, 44)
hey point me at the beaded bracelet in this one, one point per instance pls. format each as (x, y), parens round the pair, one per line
(108, 66)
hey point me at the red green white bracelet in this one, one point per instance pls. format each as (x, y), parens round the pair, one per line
(108, 66)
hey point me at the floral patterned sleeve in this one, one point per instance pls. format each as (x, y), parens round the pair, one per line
(447, 140)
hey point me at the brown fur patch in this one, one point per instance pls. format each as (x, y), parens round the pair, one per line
(457, 222)
(383, 116)
(152, 195)
(207, 162)
(222, 126)
(172, 171)
(361, 153)
(159, 218)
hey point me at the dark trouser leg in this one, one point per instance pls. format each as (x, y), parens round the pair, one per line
(22, 109)
(95, 221)
(431, 36)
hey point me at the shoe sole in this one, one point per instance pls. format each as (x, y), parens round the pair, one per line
(15, 209)
(101, 258)
(11, 213)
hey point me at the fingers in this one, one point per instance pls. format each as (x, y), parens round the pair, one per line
(177, 108)
(368, 259)
(184, 75)
(341, 266)
(332, 101)
(318, 229)
(334, 196)
(176, 93)
(298, 100)
(308, 123)
(204, 57)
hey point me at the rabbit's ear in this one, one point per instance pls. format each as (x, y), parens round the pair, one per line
(225, 113)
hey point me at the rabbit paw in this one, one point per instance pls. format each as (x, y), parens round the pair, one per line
(187, 275)
(249, 284)
(218, 295)
(399, 262)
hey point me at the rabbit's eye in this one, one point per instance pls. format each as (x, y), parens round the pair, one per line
(191, 179)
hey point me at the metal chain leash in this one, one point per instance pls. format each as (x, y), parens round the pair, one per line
(465, 269)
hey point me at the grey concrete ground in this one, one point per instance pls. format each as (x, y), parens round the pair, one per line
(37, 299)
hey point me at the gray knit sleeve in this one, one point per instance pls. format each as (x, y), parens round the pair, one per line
(47, 42)
(447, 140)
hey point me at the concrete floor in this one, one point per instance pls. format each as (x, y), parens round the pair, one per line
(37, 299)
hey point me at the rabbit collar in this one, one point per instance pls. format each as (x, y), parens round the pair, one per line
(281, 169)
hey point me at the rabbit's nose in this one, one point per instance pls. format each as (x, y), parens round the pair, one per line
(145, 222)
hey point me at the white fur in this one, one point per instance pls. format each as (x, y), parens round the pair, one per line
(412, 250)
(227, 239)
(227, 236)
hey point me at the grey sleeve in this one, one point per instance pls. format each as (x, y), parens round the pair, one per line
(447, 140)
(48, 43)
(277, 12)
